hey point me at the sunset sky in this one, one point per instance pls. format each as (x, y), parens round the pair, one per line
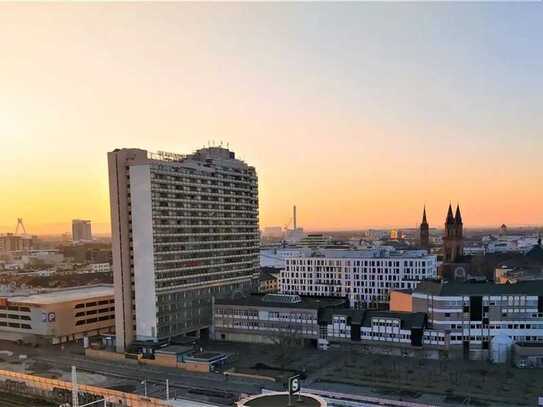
(358, 113)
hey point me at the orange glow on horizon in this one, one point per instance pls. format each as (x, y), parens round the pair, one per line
(359, 124)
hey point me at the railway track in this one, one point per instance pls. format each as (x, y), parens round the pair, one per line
(11, 400)
(209, 389)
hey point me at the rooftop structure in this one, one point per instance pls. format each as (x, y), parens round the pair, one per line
(65, 295)
(282, 300)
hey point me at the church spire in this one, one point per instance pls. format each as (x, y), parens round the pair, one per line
(424, 221)
(450, 217)
(458, 216)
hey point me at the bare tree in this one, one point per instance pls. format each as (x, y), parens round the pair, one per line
(285, 341)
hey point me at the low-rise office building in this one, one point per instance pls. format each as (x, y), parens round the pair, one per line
(453, 320)
(319, 321)
(528, 355)
(470, 315)
(57, 316)
(268, 318)
(365, 277)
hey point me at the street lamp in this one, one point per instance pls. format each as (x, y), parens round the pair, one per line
(144, 382)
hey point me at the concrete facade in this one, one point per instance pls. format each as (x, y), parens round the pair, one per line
(58, 316)
(366, 277)
(81, 230)
(184, 230)
(471, 314)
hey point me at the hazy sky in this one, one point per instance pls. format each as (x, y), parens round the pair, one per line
(358, 113)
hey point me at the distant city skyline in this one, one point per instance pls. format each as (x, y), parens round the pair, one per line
(359, 114)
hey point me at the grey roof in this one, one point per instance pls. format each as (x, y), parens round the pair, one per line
(377, 253)
(266, 276)
(487, 288)
(256, 300)
(535, 253)
(534, 257)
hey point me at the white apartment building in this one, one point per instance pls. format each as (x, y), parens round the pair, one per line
(365, 277)
(184, 230)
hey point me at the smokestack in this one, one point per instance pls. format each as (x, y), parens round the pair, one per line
(294, 216)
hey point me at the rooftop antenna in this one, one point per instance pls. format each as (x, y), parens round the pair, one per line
(21, 225)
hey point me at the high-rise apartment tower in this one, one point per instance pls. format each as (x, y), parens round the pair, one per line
(184, 230)
(81, 230)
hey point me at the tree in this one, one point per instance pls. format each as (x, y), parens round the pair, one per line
(286, 339)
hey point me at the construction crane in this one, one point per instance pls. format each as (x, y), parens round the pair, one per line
(20, 225)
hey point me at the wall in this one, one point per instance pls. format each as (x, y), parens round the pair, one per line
(107, 355)
(121, 398)
(144, 270)
(400, 301)
(242, 337)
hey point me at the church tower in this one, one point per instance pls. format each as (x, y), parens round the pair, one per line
(453, 240)
(424, 237)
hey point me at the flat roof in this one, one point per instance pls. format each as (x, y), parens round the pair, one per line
(174, 349)
(366, 254)
(65, 295)
(256, 300)
(451, 289)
